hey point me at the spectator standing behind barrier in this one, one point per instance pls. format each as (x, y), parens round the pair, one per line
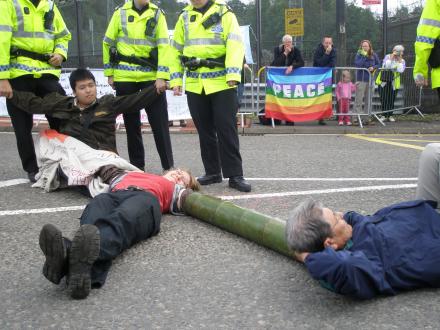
(427, 46)
(135, 50)
(365, 58)
(33, 44)
(325, 56)
(208, 48)
(389, 80)
(344, 89)
(287, 55)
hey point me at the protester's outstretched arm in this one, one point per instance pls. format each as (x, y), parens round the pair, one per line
(31, 103)
(134, 102)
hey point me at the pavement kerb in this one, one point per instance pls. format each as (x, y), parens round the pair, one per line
(398, 127)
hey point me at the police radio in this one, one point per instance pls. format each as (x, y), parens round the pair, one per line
(150, 26)
(49, 16)
(211, 20)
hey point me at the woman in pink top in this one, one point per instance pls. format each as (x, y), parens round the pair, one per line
(344, 89)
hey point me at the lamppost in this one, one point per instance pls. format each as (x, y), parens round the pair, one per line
(258, 8)
(340, 30)
(78, 32)
(384, 27)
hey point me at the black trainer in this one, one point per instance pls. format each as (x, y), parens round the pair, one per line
(239, 183)
(52, 245)
(83, 253)
(210, 179)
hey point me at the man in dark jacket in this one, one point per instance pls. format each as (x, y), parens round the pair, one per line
(287, 55)
(84, 116)
(396, 249)
(325, 54)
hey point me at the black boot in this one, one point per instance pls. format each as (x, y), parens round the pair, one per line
(239, 183)
(55, 249)
(210, 179)
(83, 253)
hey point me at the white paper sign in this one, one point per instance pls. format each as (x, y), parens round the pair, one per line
(177, 105)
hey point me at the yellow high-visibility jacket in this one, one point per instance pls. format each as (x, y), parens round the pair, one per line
(127, 32)
(22, 26)
(191, 39)
(428, 31)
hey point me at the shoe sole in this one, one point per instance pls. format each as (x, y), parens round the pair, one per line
(51, 243)
(83, 253)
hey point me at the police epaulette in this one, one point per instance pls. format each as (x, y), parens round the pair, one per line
(228, 8)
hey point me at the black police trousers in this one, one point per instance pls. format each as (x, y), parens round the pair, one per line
(214, 116)
(123, 218)
(157, 117)
(23, 121)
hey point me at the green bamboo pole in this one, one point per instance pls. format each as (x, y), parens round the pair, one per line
(254, 226)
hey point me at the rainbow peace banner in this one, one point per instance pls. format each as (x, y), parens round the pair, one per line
(304, 95)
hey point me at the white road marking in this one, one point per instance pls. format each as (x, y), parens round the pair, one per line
(331, 179)
(45, 210)
(13, 182)
(250, 196)
(321, 191)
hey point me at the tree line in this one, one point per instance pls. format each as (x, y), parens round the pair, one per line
(319, 20)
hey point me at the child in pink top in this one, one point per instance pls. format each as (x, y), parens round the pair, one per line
(344, 89)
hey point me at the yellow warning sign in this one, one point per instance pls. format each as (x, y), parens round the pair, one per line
(294, 21)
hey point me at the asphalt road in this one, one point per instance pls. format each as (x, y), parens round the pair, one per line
(195, 276)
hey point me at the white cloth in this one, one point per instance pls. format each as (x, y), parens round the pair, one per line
(77, 161)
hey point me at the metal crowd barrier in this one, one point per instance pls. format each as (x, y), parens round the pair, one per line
(369, 98)
(246, 97)
(388, 100)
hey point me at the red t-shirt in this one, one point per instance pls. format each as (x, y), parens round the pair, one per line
(160, 187)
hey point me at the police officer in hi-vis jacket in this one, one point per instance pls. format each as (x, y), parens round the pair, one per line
(135, 49)
(33, 44)
(207, 57)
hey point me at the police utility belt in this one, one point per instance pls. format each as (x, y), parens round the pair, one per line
(151, 62)
(15, 52)
(194, 63)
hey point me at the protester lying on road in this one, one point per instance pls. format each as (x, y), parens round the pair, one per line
(85, 117)
(111, 223)
(396, 249)
(393, 250)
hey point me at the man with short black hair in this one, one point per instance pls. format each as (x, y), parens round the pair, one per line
(84, 116)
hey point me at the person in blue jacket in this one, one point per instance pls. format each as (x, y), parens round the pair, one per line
(394, 250)
(366, 59)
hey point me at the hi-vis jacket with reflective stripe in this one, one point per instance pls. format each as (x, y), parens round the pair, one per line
(126, 31)
(193, 40)
(427, 32)
(22, 26)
